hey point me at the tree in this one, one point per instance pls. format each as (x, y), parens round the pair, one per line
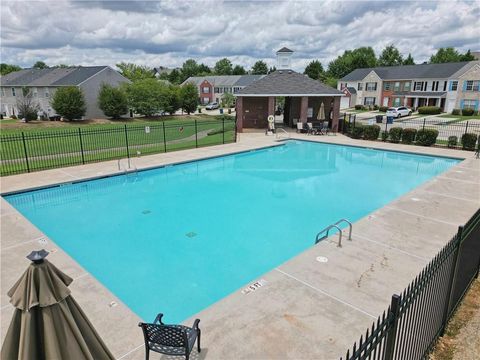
(26, 105)
(112, 101)
(409, 60)
(203, 70)
(69, 102)
(146, 97)
(8, 68)
(135, 72)
(172, 99)
(272, 69)
(350, 60)
(228, 100)
(189, 68)
(238, 70)
(314, 70)
(40, 65)
(390, 56)
(189, 97)
(449, 54)
(175, 77)
(260, 68)
(223, 67)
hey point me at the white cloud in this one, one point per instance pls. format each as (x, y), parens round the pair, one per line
(169, 32)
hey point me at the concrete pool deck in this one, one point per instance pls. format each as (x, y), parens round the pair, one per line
(305, 308)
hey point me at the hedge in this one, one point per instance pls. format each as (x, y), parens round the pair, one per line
(359, 107)
(357, 132)
(456, 112)
(429, 110)
(468, 141)
(383, 108)
(468, 112)
(371, 132)
(427, 137)
(384, 135)
(395, 134)
(452, 141)
(408, 135)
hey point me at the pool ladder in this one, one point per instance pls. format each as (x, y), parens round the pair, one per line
(281, 135)
(130, 168)
(329, 227)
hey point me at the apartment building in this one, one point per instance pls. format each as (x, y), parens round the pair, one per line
(212, 88)
(44, 82)
(448, 86)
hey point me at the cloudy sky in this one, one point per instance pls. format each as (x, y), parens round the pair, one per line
(168, 32)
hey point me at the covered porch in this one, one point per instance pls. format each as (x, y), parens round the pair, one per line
(415, 101)
(303, 98)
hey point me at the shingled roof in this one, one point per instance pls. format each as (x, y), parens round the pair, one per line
(288, 83)
(285, 50)
(51, 77)
(407, 72)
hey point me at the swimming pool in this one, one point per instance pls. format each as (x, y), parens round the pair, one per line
(176, 239)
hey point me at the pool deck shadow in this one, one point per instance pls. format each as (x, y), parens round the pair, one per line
(306, 308)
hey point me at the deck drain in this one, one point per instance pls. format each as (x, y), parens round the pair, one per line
(322, 259)
(191, 234)
(145, 212)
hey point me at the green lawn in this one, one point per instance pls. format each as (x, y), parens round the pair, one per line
(65, 144)
(458, 118)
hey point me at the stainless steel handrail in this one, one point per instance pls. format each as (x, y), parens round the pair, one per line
(349, 225)
(327, 229)
(286, 132)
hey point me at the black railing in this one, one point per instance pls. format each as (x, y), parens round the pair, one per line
(32, 151)
(446, 127)
(416, 318)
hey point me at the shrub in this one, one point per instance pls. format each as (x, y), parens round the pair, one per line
(427, 137)
(452, 141)
(14, 117)
(371, 132)
(359, 107)
(384, 135)
(456, 112)
(189, 97)
(468, 111)
(468, 141)
(357, 131)
(383, 108)
(69, 102)
(429, 110)
(146, 97)
(408, 135)
(112, 101)
(375, 107)
(395, 134)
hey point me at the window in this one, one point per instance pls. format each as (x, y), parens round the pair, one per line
(3, 92)
(47, 93)
(369, 100)
(454, 85)
(396, 102)
(236, 89)
(206, 100)
(406, 86)
(418, 86)
(387, 86)
(435, 86)
(360, 86)
(35, 92)
(216, 90)
(472, 85)
(371, 86)
(472, 104)
(396, 87)
(205, 90)
(13, 91)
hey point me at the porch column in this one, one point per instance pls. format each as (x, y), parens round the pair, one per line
(415, 103)
(271, 105)
(239, 113)
(335, 113)
(303, 109)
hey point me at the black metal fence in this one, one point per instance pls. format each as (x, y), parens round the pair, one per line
(446, 127)
(416, 318)
(32, 151)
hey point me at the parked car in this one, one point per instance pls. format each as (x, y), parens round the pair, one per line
(398, 112)
(212, 106)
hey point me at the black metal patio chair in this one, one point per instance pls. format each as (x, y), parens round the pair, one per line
(170, 339)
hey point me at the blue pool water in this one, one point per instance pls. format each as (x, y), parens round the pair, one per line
(179, 238)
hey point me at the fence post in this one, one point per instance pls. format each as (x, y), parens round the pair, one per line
(392, 332)
(448, 300)
(466, 127)
(223, 130)
(354, 119)
(196, 134)
(386, 125)
(424, 120)
(164, 137)
(81, 144)
(25, 151)
(126, 141)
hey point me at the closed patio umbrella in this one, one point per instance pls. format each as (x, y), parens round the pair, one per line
(321, 112)
(47, 322)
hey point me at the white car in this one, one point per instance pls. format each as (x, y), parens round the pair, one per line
(398, 112)
(212, 106)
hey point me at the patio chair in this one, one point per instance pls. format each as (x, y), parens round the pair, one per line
(311, 130)
(170, 339)
(324, 128)
(299, 127)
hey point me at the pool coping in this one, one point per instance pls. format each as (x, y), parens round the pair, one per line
(210, 313)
